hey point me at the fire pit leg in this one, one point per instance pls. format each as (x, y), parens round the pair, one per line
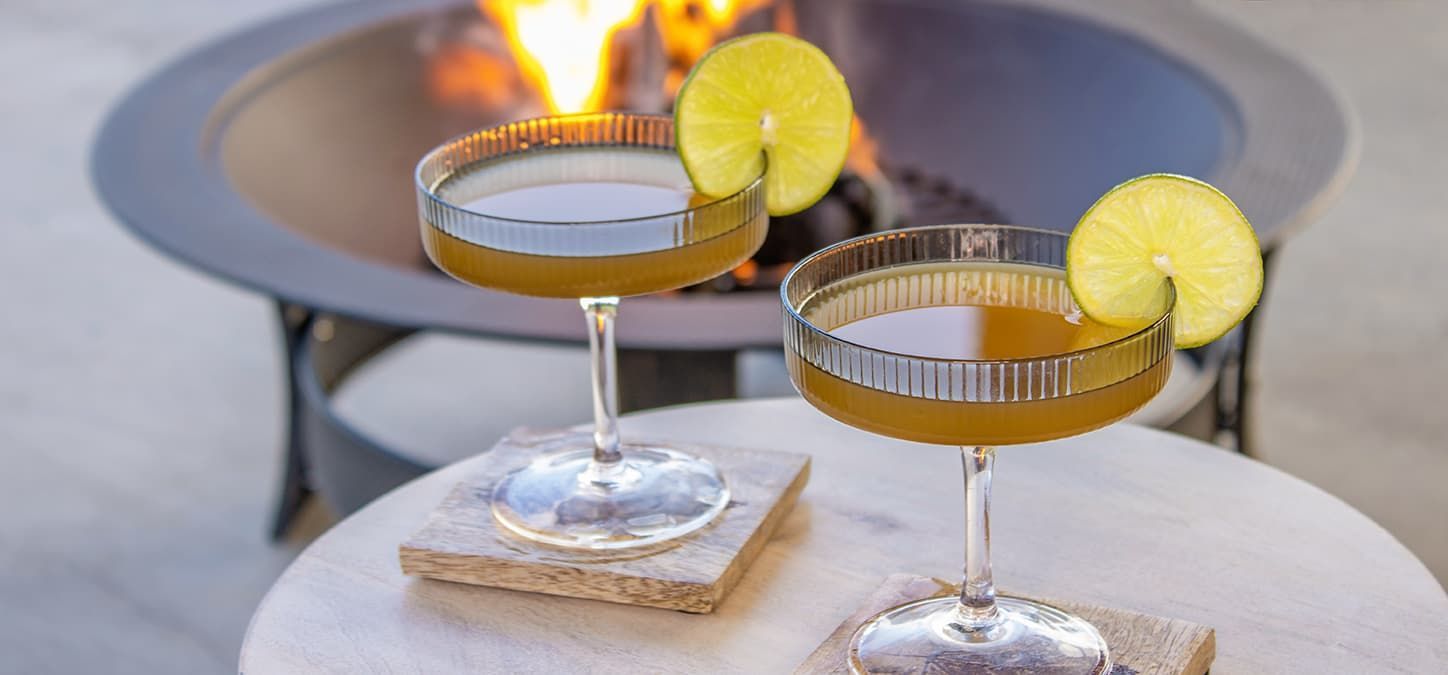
(651, 378)
(1238, 377)
(294, 489)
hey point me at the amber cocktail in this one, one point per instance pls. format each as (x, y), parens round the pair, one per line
(593, 207)
(603, 190)
(968, 311)
(966, 335)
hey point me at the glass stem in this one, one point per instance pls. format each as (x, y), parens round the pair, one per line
(977, 609)
(606, 455)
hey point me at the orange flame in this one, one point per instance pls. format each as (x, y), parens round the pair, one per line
(746, 272)
(863, 150)
(690, 27)
(460, 75)
(562, 46)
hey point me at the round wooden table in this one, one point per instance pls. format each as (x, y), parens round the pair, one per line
(1292, 579)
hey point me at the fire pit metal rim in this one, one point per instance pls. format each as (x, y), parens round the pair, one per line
(154, 170)
(1276, 119)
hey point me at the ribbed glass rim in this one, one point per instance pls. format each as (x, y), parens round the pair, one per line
(428, 189)
(814, 258)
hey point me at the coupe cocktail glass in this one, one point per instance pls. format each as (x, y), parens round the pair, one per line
(593, 207)
(965, 335)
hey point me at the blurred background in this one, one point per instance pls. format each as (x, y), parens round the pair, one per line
(143, 404)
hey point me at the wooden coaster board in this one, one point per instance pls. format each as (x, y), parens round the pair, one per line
(1140, 644)
(461, 542)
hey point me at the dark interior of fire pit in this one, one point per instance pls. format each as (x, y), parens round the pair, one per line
(981, 112)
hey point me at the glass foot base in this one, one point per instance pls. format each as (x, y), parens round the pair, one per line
(653, 495)
(924, 637)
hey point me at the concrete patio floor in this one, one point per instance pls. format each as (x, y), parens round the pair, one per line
(140, 402)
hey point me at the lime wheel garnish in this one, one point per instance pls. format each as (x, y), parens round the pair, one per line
(1165, 229)
(764, 97)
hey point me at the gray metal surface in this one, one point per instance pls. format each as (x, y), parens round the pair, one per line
(279, 158)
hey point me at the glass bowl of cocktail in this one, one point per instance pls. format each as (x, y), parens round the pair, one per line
(600, 206)
(592, 207)
(972, 336)
(965, 335)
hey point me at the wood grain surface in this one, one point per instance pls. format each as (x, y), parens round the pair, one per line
(1140, 643)
(462, 542)
(1292, 579)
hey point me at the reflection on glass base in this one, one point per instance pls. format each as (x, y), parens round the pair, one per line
(653, 495)
(924, 637)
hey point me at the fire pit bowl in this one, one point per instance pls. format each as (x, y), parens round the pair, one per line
(228, 159)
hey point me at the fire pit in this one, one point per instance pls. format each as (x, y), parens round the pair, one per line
(280, 158)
